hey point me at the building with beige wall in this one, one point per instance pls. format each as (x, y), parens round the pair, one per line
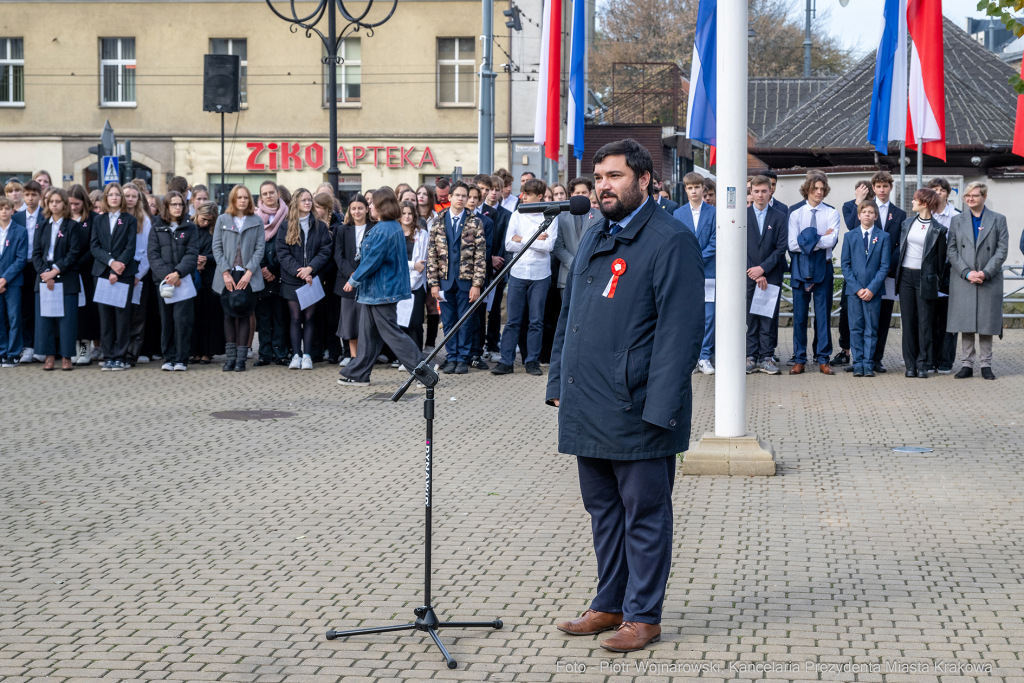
(409, 88)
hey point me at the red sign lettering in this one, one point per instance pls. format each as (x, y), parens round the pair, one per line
(273, 155)
(289, 156)
(406, 161)
(427, 156)
(392, 153)
(342, 159)
(250, 163)
(357, 154)
(315, 155)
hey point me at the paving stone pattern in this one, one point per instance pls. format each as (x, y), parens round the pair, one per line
(143, 539)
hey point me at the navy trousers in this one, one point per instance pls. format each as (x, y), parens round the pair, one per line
(454, 306)
(630, 506)
(863, 330)
(822, 296)
(49, 329)
(523, 295)
(11, 340)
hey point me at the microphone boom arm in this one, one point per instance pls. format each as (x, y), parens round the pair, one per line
(423, 372)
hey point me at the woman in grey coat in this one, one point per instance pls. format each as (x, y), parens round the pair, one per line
(238, 244)
(977, 245)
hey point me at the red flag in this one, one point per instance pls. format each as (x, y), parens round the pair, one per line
(927, 102)
(714, 155)
(1018, 127)
(554, 66)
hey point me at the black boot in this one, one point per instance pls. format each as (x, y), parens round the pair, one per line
(241, 353)
(229, 356)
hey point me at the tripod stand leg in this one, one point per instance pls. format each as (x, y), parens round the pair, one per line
(472, 624)
(447, 657)
(331, 635)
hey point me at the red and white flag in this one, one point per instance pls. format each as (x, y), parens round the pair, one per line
(926, 122)
(1018, 126)
(547, 126)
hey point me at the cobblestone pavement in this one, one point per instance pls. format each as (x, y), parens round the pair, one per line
(143, 539)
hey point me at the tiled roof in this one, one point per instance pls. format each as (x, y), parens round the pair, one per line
(980, 104)
(771, 100)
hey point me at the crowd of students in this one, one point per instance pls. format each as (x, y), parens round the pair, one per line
(122, 276)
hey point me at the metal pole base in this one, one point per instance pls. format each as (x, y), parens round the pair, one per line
(426, 621)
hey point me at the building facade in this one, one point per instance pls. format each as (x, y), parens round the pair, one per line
(407, 102)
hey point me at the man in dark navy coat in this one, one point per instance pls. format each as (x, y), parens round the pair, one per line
(628, 337)
(767, 239)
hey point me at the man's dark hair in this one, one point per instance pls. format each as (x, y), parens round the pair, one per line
(770, 174)
(32, 186)
(535, 186)
(442, 183)
(457, 184)
(581, 181)
(936, 183)
(529, 173)
(638, 159)
(483, 180)
(177, 184)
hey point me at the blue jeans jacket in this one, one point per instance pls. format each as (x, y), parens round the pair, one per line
(383, 273)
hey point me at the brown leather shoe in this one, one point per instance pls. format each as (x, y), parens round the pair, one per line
(48, 365)
(590, 623)
(826, 369)
(66, 364)
(797, 369)
(632, 636)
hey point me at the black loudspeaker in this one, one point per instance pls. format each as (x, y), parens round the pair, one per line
(221, 76)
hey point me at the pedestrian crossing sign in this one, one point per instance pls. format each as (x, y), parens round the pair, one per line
(111, 170)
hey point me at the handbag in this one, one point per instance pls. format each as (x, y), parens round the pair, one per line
(239, 303)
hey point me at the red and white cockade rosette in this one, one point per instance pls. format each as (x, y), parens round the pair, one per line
(618, 268)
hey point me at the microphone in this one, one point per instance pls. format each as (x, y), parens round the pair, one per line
(577, 206)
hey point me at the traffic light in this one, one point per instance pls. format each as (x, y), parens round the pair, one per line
(513, 22)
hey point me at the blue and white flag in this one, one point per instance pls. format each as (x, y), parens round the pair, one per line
(888, 121)
(577, 78)
(701, 107)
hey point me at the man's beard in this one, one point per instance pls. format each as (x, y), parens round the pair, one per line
(627, 203)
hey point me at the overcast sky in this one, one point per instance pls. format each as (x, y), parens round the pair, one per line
(857, 25)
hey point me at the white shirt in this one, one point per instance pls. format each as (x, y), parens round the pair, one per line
(112, 217)
(536, 262)
(3, 237)
(915, 243)
(827, 218)
(54, 229)
(238, 222)
(883, 212)
(696, 215)
(419, 253)
(31, 219)
(360, 232)
(509, 203)
(946, 215)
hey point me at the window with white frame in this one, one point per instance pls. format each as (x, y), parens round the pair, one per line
(456, 71)
(235, 46)
(350, 72)
(12, 71)
(117, 72)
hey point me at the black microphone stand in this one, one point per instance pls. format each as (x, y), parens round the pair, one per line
(426, 619)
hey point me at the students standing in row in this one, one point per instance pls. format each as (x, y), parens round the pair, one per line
(328, 312)
(13, 254)
(698, 216)
(55, 257)
(346, 256)
(865, 263)
(173, 254)
(416, 244)
(113, 246)
(271, 308)
(88, 334)
(303, 251)
(31, 218)
(238, 244)
(134, 204)
(208, 328)
(767, 238)
(943, 342)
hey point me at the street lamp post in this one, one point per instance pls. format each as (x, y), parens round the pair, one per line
(331, 40)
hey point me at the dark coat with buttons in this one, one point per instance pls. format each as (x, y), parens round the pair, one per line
(621, 365)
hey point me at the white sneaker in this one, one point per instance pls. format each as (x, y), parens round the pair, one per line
(705, 367)
(83, 354)
(344, 361)
(180, 367)
(167, 367)
(307, 362)
(250, 354)
(26, 355)
(296, 362)
(142, 359)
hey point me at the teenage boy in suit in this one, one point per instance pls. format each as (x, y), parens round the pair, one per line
(501, 216)
(13, 255)
(862, 193)
(890, 219)
(30, 218)
(699, 218)
(767, 238)
(865, 264)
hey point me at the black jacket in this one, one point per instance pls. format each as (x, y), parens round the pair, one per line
(621, 365)
(270, 262)
(934, 266)
(66, 253)
(329, 274)
(345, 258)
(314, 252)
(85, 258)
(205, 240)
(119, 245)
(768, 249)
(500, 216)
(174, 250)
